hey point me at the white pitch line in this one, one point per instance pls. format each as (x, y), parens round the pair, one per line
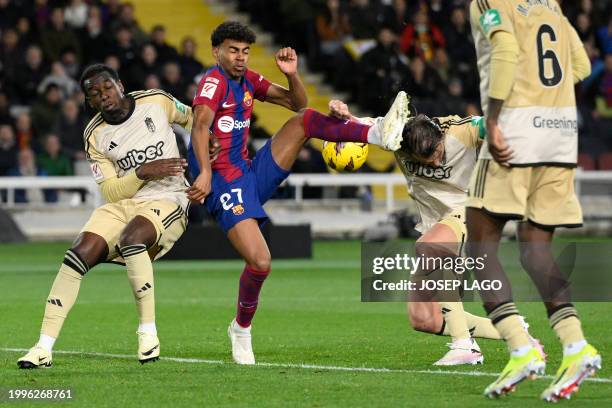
(303, 366)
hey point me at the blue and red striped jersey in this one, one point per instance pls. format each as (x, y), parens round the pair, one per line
(232, 102)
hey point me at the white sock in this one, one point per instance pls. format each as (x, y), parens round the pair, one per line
(521, 351)
(46, 342)
(148, 328)
(574, 348)
(374, 136)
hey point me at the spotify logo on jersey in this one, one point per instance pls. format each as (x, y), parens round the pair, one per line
(227, 124)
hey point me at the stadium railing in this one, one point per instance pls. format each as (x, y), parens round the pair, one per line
(298, 181)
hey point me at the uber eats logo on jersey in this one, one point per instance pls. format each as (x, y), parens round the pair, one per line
(135, 158)
(490, 19)
(423, 170)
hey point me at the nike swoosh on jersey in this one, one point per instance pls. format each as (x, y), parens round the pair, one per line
(225, 105)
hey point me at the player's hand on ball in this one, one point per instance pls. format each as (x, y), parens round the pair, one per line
(499, 149)
(161, 168)
(200, 187)
(339, 109)
(286, 60)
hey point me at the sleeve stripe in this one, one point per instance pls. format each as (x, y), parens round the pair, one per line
(479, 6)
(152, 92)
(486, 2)
(461, 121)
(89, 131)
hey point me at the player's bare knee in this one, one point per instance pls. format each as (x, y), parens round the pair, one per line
(261, 262)
(90, 248)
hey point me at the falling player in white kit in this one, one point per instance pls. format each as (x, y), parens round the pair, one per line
(133, 154)
(437, 156)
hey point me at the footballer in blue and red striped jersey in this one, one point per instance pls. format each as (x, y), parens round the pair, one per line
(235, 188)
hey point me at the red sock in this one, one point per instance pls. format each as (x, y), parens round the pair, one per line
(319, 126)
(251, 281)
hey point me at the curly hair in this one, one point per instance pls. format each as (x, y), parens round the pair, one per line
(96, 69)
(421, 136)
(232, 30)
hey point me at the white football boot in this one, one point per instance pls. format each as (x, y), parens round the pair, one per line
(35, 358)
(242, 352)
(148, 347)
(464, 351)
(392, 125)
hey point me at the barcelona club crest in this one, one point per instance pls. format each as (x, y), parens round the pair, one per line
(150, 124)
(248, 99)
(238, 209)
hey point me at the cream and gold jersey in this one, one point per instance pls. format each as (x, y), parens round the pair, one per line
(113, 149)
(438, 191)
(539, 117)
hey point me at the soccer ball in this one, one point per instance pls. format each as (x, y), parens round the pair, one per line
(345, 156)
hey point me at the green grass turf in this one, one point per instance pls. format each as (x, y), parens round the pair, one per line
(310, 312)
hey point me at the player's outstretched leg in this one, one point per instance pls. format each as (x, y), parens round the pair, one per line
(135, 238)
(87, 251)
(246, 237)
(310, 124)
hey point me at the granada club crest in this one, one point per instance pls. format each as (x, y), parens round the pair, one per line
(248, 99)
(238, 209)
(150, 124)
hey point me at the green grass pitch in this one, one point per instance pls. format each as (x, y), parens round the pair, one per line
(310, 314)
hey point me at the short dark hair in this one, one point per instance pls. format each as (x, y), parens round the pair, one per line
(96, 69)
(232, 30)
(421, 136)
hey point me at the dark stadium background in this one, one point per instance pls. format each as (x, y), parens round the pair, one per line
(424, 47)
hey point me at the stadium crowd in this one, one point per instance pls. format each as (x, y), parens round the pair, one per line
(423, 47)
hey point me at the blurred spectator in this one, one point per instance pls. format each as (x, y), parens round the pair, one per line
(26, 167)
(59, 77)
(27, 35)
(52, 159)
(438, 12)
(126, 19)
(152, 82)
(46, 109)
(458, 40)
(365, 17)
(25, 133)
(172, 81)
(421, 38)
(110, 12)
(124, 46)
(584, 28)
(424, 82)
(94, 42)
(190, 66)
(57, 37)
(604, 37)
(603, 98)
(8, 149)
(9, 13)
(70, 127)
(400, 15)
(75, 14)
(29, 76)
(333, 27)
(113, 61)
(165, 52)
(442, 65)
(70, 63)
(383, 73)
(143, 67)
(10, 54)
(5, 114)
(41, 14)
